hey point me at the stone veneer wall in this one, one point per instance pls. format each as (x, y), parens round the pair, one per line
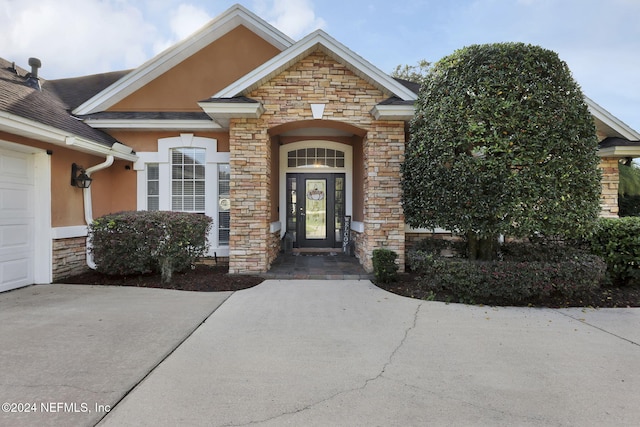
(610, 183)
(275, 244)
(287, 98)
(69, 257)
(383, 215)
(250, 164)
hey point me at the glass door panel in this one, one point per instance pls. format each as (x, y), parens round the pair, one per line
(316, 209)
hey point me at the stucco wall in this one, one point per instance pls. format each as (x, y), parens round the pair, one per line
(210, 69)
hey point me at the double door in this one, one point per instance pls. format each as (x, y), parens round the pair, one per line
(315, 209)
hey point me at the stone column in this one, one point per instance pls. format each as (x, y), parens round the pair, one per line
(250, 164)
(383, 214)
(610, 183)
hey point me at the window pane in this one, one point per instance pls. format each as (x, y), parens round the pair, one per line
(224, 219)
(223, 237)
(199, 172)
(224, 204)
(153, 171)
(198, 188)
(153, 188)
(199, 203)
(224, 172)
(176, 203)
(188, 179)
(199, 157)
(153, 204)
(176, 157)
(316, 157)
(223, 188)
(187, 188)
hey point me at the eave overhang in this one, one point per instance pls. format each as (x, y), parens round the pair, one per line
(620, 151)
(222, 110)
(17, 125)
(132, 124)
(619, 147)
(393, 112)
(609, 124)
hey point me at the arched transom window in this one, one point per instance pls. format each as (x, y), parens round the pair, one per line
(315, 158)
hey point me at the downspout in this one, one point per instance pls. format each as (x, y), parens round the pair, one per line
(88, 207)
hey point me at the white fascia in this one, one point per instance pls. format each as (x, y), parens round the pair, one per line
(304, 47)
(620, 151)
(31, 129)
(221, 112)
(235, 16)
(152, 124)
(609, 120)
(393, 112)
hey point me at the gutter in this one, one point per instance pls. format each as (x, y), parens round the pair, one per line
(88, 206)
(11, 123)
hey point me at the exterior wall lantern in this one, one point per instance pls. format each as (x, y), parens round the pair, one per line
(79, 177)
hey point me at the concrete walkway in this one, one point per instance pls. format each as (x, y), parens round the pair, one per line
(314, 353)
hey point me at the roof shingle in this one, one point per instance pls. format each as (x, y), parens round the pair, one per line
(44, 106)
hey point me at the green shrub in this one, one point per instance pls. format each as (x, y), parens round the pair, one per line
(456, 248)
(142, 242)
(617, 241)
(384, 265)
(507, 282)
(541, 251)
(528, 272)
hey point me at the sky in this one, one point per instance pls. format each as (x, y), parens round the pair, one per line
(598, 39)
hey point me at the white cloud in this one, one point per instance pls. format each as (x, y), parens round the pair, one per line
(185, 20)
(296, 18)
(75, 37)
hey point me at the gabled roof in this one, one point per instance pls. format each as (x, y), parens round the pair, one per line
(609, 124)
(235, 16)
(41, 114)
(327, 44)
(76, 90)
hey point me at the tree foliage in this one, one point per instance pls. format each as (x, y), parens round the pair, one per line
(502, 143)
(412, 73)
(629, 180)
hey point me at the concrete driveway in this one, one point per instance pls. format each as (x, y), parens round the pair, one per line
(68, 353)
(323, 353)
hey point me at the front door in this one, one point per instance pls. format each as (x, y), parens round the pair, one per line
(315, 209)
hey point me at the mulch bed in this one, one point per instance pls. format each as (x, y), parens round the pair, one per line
(206, 278)
(203, 278)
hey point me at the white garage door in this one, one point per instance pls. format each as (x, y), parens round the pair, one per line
(17, 219)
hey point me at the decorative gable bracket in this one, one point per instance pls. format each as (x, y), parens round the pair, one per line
(223, 109)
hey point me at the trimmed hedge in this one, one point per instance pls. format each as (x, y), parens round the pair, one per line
(384, 265)
(528, 273)
(140, 242)
(617, 241)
